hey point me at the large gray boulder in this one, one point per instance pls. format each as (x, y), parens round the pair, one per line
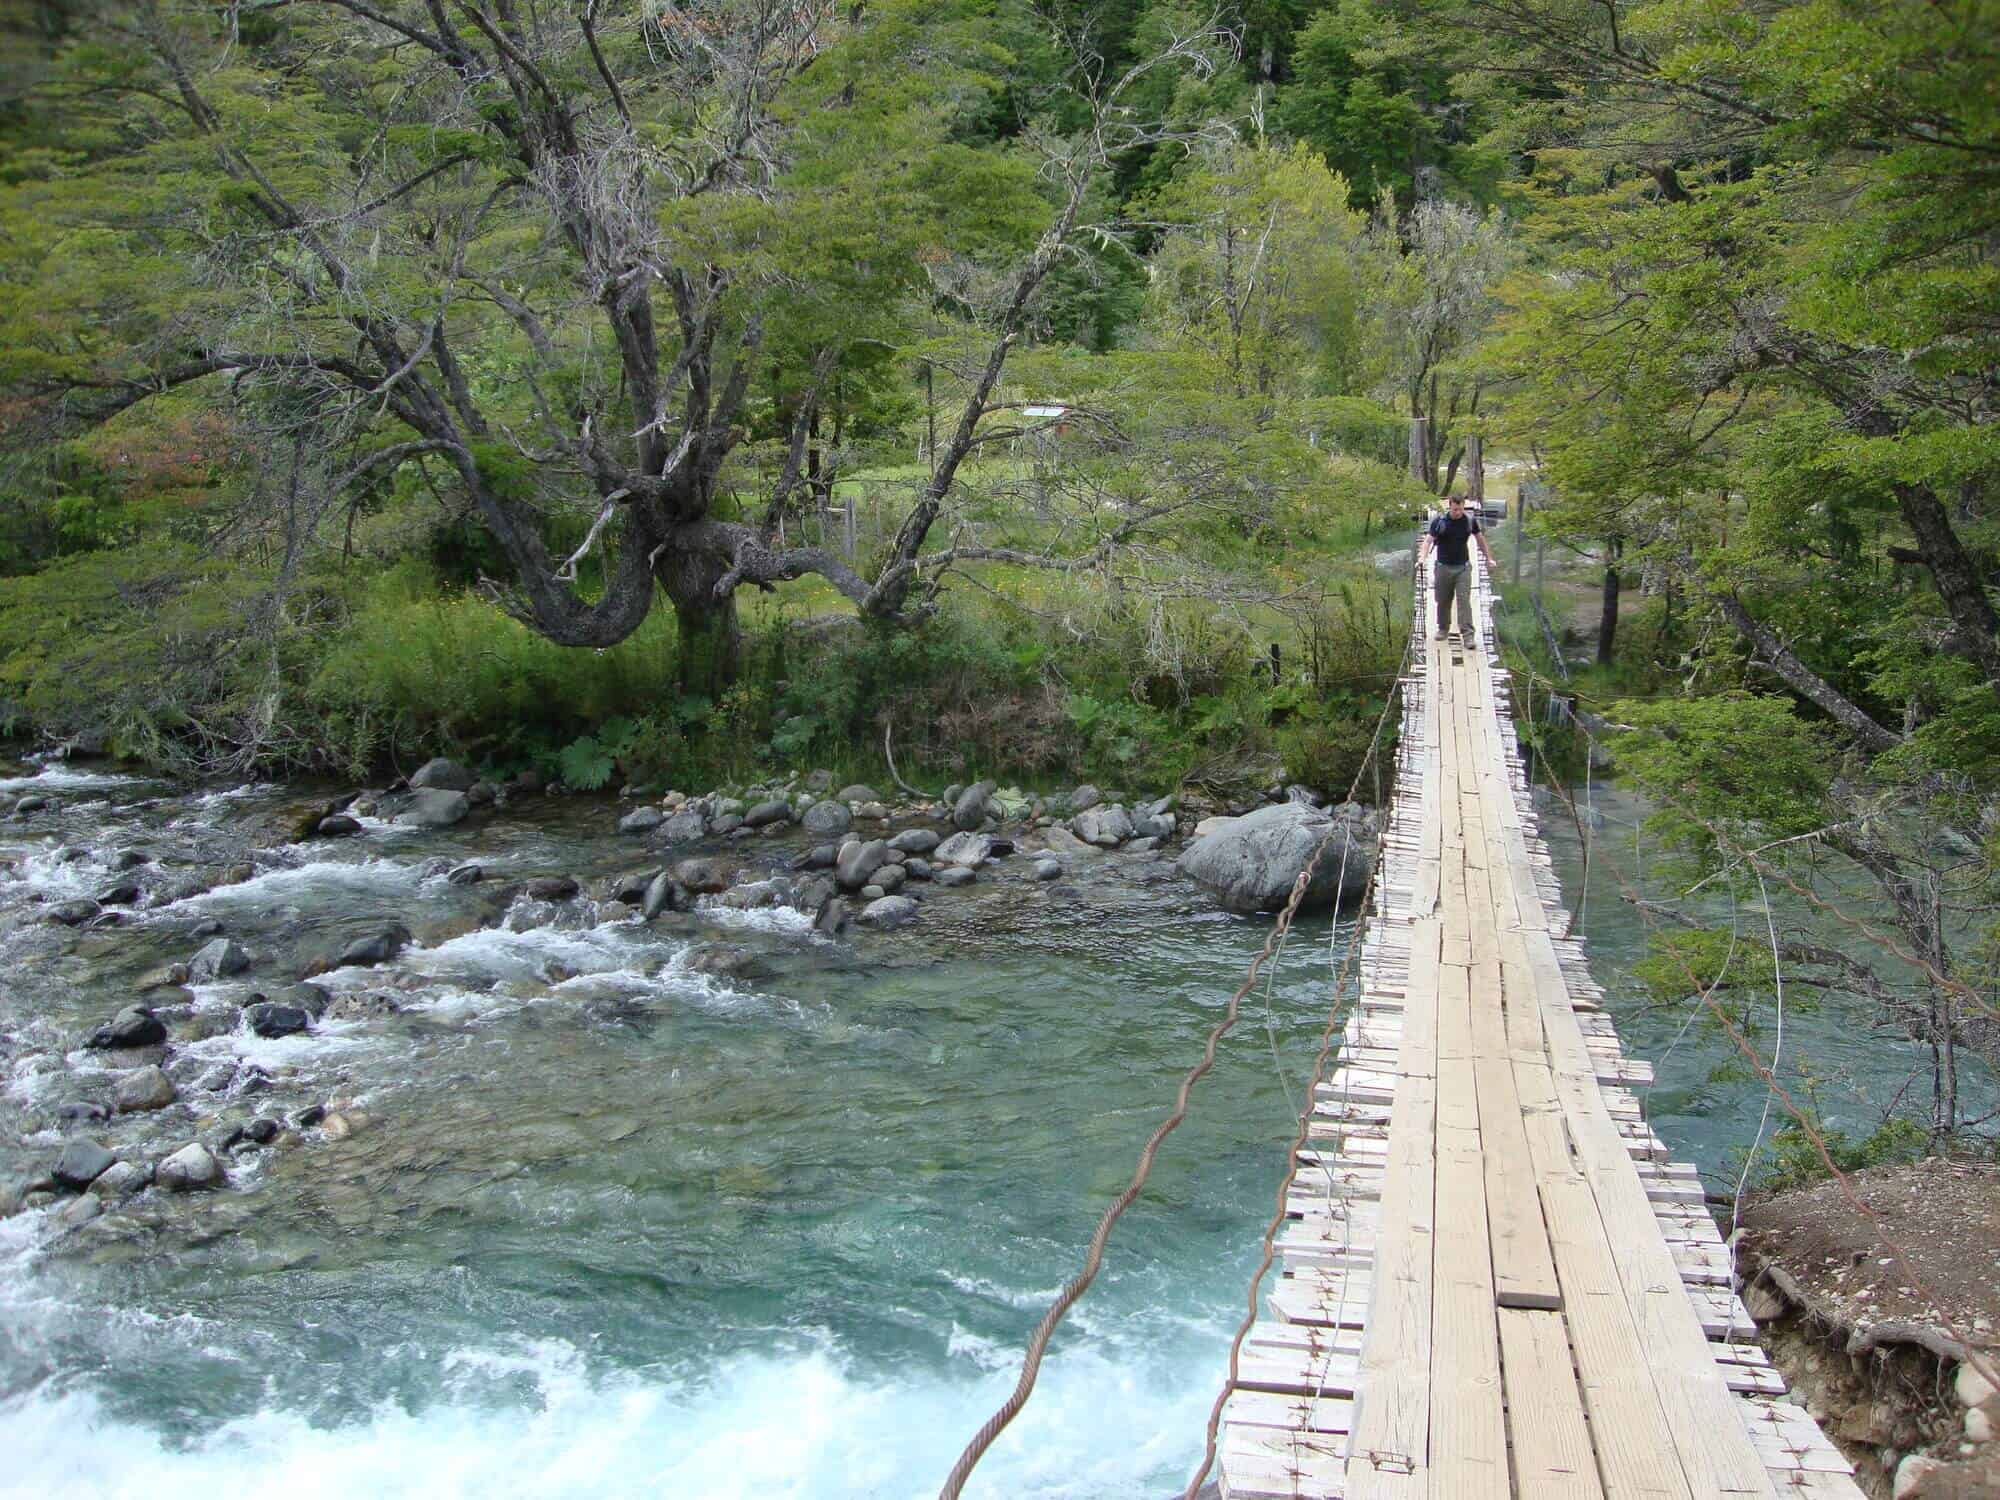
(217, 960)
(147, 1088)
(189, 1170)
(134, 1026)
(81, 1163)
(434, 807)
(969, 811)
(968, 851)
(1251, 862)
(887, 911)
(1106, 827)
(1082, 799)
(684, 827)
(915, 841)
(641, 820)
(858, 793)
(828, 819)
(443, 775)
(859, 861)
(775, 810)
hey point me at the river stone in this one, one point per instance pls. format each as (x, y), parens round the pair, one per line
(1142, 846)
(859, 861)
(764, 814)
(955, 875)
(134, 1026)
(662, 894)
(858, 793)
(917, 868)
(465, 874)
(870, 892)
(725, 824)
(641, 820)
(705, 876)
(828, 819)
(915, 841)
(819, 857)
(1251, 863)
(1061, 841)
(442, 775)
(272, 1020)
(74, 913)
(120, 893)
(128, 859)
(969, 810)
(966, 850)
(1082, 799)
(218, 960)
(190, 1169)
(1148, 824)
(119, 1179)
(811, 894)
(149, 1088)
(1106, 827)
(684, 826)
(889, 879)
(375, 948)
(832, 918)
(1048, 869)
(79, 1211)
(81, 1163)
(887, 911)
(33, 802)
(337, 826)
(553, 888)
(434, 807)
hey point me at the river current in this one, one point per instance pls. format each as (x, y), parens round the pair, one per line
(609, 1225)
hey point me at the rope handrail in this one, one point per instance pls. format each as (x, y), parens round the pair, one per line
(1074, 1289)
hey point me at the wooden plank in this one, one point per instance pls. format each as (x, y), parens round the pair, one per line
(1551, 1443)
(1391, 1441)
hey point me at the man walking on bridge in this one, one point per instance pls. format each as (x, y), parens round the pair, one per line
(1448, 536)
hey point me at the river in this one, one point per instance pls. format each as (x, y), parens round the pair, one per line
(610, 1225)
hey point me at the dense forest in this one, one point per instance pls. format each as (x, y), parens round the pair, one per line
(663, 391)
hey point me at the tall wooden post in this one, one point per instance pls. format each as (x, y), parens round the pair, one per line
(1475, 472)
(1520, 526)
(1420, 451)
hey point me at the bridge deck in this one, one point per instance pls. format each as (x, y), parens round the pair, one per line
(1494, 1283)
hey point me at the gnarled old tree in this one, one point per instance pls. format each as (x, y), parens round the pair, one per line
(557, 250)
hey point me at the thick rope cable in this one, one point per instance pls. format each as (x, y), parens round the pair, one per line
(1094, 1255)
(1777, 1056)
(1336, 1019)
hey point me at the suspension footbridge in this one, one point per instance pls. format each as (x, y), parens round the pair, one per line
(1493, 1282)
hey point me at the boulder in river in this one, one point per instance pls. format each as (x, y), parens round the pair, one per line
(553, 888)
(1082, 799)
(434, 807)
(375, 947)
(969, 811)
(832, 918)
(1150, 824)
(1251, 862)
(119, 1180)
(74, 913)
(858, 793)
(828, 819)
(887, 911)
(82, 1162)
(966, 850)
(915, 841)
(819, 857)
(764, 814)
(955, 875)
(918, 868)
(1048, 869)
(859, 860)
(465, 874)
(1106, 827)
(272, 1019)
(148, 1088)
(641, 820)
(120, 893)
(705, 876)
(134, 1026)
(190, 1169)
(337, 826)
(663, 893)
(443, 775)
(684, 827)
(220, 959)
(889, 879)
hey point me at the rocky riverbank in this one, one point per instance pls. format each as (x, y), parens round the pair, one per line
(1878, 1344)
(176, 1093)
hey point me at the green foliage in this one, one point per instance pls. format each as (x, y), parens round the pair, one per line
(1793, 1160)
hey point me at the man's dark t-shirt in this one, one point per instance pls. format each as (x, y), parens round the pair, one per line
(1453, 535)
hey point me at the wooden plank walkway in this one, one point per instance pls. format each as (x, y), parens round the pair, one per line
(1494, 1283)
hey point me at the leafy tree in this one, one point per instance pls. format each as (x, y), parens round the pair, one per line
(556, 254)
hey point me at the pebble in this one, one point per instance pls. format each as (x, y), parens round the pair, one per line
(148, 1088)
